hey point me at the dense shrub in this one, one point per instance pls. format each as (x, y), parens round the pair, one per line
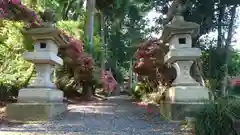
(79, 64)
(9, 90)
(142, 88)
(234, 90)
(14, 70)
(215, 118)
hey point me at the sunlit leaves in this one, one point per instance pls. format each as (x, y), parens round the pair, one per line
(73, 28)
(12, 63)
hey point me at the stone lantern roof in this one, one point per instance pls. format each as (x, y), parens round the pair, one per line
(47, 33)
(179, 26)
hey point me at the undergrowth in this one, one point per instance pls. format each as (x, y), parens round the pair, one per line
(215, 118)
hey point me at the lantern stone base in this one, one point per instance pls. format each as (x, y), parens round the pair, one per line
(40, 95)
(178, 111)
(36, 104)
(181, 101)
(187, 94)
(34, 111)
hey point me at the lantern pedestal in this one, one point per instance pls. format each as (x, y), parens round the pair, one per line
(40, 95)
(34, 111)
(41, 100)
(186, 94)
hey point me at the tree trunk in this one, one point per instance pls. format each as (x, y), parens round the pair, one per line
(90, 23)
(117, 90)
(227, 47)
(103, 40)
(221, 11)
(76, 13)
(67, 9)
(130, 75)
(87, 92)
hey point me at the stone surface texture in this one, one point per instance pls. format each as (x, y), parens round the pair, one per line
(186, 94)
(41, 100)
(34, 111)
(181, 55)
(117, 116)
(40, 95)
(179, 26)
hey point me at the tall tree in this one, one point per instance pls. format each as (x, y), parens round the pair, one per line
(227, 47)
(90, 23)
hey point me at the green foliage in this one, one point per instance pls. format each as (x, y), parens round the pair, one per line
(13, 44)
(66, 79)
(76, 29)
(143, 88)
(234, 64)
(65, 10)
(73, 28)
(14, 70)
(234, 90)
(9, 89)
(12, 64)
(213, 66)
(96, 76)
(215, 118)
(213, 16)
(124, 29)
(139, 91)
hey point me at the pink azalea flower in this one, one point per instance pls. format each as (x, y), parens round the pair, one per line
(16, 2)
(142, 104)
(149, 110)
(145, 105)
(21, 6)
(235, 82)
(108, 81)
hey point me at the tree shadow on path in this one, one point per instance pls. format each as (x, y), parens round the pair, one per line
(117, 116)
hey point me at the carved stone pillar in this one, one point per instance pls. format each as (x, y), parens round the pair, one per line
(183, 74)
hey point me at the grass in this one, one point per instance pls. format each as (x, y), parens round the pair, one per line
(213, 118)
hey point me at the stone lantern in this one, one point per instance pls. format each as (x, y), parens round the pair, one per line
(181, 54)
(41, 100)
(185, 90)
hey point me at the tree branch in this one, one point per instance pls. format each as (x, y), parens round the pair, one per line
(67, 9)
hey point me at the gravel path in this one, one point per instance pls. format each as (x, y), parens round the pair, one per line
(117, 116)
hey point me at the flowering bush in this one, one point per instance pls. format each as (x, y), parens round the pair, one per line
(148, 49)
(150, 55)
(235, 87)
(145, 66)
(16, 11)
(150, 62)
(77, 63)
(235, 82)
(78, 57)
(108, 81)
